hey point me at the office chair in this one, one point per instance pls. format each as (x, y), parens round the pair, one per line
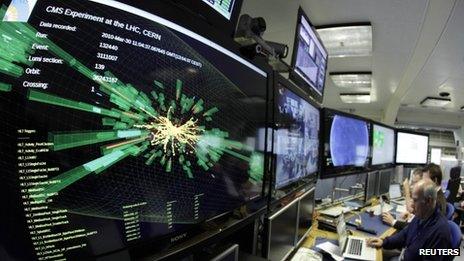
(453, 184)
(449, 211)
(447, 193)
(455, 234)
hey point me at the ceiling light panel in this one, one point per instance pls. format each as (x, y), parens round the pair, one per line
(358, 81)
(346, 41)
(435, 102)
(355, 97)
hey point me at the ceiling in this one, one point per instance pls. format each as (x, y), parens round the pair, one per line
(417, 52)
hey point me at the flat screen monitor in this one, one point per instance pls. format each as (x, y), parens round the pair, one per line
(394, 191)
(411, 148)
(282, 232)
(383, 145)
(296, 136)
(309, 60)
(223, 7)
(221, 14)
(346, 144)
(385, 181)
(372, 185)
(119, 133)
(305, 215)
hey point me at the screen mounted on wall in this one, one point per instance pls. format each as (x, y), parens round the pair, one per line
(121, 127)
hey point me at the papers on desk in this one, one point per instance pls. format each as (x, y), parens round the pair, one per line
(378, 209)
(335, 211)
(306, 254)
(331, 249)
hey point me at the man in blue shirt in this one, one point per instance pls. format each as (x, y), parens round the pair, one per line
(428, 230)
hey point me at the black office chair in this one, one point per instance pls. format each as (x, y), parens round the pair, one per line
(453, 184)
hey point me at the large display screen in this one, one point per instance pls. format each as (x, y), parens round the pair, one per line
(411, 148)
(118, 127)
(296, 137)
(383, 145)
(346, 143)
(309, 56)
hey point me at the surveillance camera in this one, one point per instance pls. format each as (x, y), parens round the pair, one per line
(280, 50)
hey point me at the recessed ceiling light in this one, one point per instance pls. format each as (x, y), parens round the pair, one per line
(347, 40)
(435, 102)
(360, 97)
(361, 81)
(462, 108)
(444, 94)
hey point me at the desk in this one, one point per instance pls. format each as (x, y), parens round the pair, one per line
(315, 232)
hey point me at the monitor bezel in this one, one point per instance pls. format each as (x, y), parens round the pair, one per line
(371, 144)
(411, 164)
(311, 177)
(297, 79)
(341, 171)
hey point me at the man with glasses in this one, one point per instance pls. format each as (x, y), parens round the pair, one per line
(428, 230)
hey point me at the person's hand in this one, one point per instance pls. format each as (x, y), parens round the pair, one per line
(405, 215)
(388, 218)
(406, 188)
(406, 183)
(374, 242)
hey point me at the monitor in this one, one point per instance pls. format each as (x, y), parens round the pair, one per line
(394, 191)
(282, 232)
(223, 7)
(384, 181)
(383, 145)
(411, 147)
(372, 185)
(296, 136)
(230, 254)
(346, 143)
(221, 14)
(124, 130)
(305, 215)
(309, 60)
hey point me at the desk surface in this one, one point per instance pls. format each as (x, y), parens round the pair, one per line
(315, 232)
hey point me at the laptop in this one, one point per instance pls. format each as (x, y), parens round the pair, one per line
(351, 246)
(395, 195)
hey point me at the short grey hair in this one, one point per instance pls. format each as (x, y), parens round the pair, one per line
(430, 191)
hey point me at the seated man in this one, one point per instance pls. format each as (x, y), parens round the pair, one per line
(387, 218)
(428, 230)
(433, 172)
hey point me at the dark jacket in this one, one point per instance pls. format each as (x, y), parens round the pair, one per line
(441, 205)
(433, 233)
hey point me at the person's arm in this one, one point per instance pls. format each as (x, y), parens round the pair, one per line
(399, 225)
(407, 191)
(396, 241)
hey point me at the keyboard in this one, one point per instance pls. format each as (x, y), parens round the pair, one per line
(355, 246)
